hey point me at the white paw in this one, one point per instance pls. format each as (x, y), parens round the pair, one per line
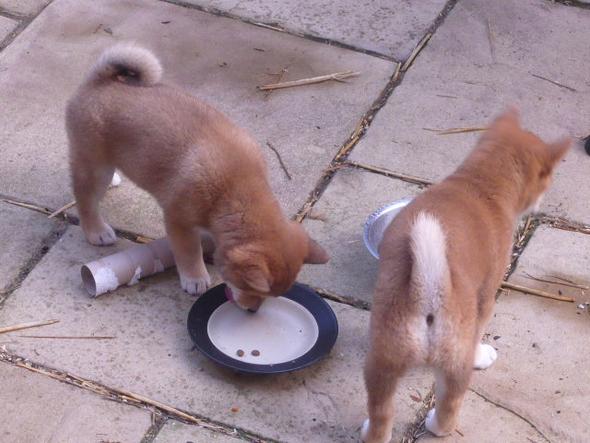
(116, 180)
(104, 237)
(365, 430)
(432, 425)
(195, 286)
(485, 356)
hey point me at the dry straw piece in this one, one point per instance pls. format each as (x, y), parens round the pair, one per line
(28, 325)
(337, 76)
(537, 292)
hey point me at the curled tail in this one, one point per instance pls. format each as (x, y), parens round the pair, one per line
(430, 270)
(128, 63)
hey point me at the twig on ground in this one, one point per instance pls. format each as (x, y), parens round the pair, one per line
(451, 131)
(273, 149)
(28, 325)
(564, 282)
(62, 209)
(337, 76)
(537, 292)
(415, 52)
(279, 79)
(70, 337)
(561, 85)
(388, 173)
(27, 206)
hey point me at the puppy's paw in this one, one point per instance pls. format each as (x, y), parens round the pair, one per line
(116, 180)
(432, 425)
(366, 436)
(485, 356)
(101, 237)
(195, 286)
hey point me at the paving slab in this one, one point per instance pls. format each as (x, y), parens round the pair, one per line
(36, 408)
(483, 422)
(153, 355)
(337, 222)
(22, 234)
(7, 25)
(392, 28)
(176, 432)
(218, 59)
(485, 56)
(543, 367)
(22, 7)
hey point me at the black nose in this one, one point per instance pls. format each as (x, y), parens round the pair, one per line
(587, 145)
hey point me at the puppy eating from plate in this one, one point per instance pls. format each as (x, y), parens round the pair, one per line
(206, 173)
(442, 259)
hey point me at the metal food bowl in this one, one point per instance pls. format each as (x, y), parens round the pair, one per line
(378, 222)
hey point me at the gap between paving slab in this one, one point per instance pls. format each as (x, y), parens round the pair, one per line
(35, 409)
(541, 365)
(340, 159)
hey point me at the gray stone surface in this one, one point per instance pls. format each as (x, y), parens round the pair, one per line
(21, 236)
(22, 7)
(6, 26)
(337, 222)
(176, 432)
(483, 422)
(36, 408)
(480, 60)
(391, 28)
(153, 355)
(218, 59)
(543, 367)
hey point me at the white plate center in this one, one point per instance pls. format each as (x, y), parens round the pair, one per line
(282, 330)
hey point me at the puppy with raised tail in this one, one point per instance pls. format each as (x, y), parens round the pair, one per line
(206, 173)
(442, 260)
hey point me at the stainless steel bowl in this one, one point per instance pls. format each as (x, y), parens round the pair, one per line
(378, 222)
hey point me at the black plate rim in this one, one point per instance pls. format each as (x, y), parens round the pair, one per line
(302, 294)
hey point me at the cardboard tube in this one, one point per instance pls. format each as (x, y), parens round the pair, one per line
(128, 266)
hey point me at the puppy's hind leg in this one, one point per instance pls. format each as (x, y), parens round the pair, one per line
(188, 255)
(381, 378)
(449, 389)
(90, 181)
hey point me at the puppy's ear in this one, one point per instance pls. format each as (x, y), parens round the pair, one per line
(557, 151)
(257, 279)
(560, 148)
(510, 116)
(316, 255)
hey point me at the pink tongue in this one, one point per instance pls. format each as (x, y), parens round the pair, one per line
(229, 294)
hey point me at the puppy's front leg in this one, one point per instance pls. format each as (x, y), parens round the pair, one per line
(188, 254)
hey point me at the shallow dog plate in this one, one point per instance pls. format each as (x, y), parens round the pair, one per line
(378, 222)
(287, 333)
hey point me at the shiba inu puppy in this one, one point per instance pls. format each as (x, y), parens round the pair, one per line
(442, 260)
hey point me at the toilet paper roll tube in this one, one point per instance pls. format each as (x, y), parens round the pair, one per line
(128, 266)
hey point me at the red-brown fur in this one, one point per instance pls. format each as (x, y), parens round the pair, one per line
(205, 172)
(477, 208)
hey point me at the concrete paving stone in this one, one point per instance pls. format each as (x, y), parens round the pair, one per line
(22, 232)
(153, 354)
(36, 408)
(176, 432)
(543, 367)
(483, 58)
(6, 26)
(483, 422)
(23, 7)
(391, 28)
(218, 59)
(337, 222)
